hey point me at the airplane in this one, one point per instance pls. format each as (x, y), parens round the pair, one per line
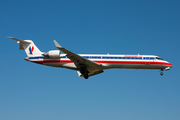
(88, 65)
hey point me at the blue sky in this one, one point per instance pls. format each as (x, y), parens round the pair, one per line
(33, 92)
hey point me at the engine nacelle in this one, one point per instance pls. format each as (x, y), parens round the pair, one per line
(54, 54)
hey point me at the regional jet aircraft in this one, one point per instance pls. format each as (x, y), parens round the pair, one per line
(89, 64)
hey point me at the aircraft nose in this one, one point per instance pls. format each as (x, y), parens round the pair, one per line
(170, 65)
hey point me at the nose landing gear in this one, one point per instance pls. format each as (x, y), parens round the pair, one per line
(161, 72)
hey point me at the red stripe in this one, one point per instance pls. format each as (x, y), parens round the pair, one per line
(134, 62)
(53, 61)
(105, 62)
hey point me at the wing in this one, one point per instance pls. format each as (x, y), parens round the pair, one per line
(81, 62)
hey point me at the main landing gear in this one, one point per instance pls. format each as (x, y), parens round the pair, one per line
(86, 76)
(85, 73)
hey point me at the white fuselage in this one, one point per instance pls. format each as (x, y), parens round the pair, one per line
(89, 64)
(107, 61)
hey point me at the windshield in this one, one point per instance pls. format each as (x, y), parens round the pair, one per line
(159, 58)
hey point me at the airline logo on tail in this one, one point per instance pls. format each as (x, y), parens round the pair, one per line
(31, 49)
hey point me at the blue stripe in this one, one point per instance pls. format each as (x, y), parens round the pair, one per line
(63, 56)
(100, 57)
(103, 57)
(36, 57)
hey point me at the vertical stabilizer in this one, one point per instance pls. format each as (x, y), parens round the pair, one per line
(29, 47)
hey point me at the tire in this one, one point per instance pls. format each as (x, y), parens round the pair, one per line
(86, 76)
(161, 73)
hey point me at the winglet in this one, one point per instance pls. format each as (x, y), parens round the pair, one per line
(57, 44)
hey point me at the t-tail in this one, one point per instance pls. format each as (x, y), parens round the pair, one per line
(29, 47)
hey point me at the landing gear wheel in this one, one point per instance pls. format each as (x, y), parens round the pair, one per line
(161, 73)
(86, 76)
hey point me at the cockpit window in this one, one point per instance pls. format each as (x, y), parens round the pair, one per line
(159, 58)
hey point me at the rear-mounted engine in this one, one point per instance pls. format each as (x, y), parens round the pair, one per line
(54, 54)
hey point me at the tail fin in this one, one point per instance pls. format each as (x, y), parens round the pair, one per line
(29, 47)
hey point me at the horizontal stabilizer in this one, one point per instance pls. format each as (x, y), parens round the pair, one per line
(19, 41)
